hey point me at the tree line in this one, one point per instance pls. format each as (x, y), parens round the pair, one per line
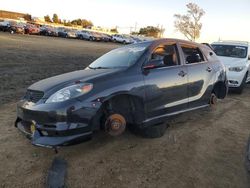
(188, 24)
(77, 22)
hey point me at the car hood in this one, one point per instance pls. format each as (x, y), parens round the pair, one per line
(232, 62)
(60, 81)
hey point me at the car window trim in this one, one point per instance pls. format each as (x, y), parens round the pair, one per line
(177, 53)
(193, 46)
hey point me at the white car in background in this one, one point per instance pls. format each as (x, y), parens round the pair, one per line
(122, 39)
(84, 35)
(236, 57)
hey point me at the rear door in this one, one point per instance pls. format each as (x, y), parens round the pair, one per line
(166, 82)
(200, 75)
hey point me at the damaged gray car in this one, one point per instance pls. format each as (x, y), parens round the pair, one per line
(140, 85)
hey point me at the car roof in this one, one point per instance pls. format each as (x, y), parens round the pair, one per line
(241, 43)
(163, 40)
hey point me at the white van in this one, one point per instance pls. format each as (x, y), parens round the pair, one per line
(236, 57)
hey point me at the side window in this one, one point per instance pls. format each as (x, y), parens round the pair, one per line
(192, 54)
(167, 54)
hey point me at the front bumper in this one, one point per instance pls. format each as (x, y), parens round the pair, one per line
(235, 78)
(64, 126)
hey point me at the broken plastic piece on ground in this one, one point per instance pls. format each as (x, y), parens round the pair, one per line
(57, 173)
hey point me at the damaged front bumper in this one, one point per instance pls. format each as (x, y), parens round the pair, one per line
(47, 127)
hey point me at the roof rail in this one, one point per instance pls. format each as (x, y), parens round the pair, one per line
(235, 41)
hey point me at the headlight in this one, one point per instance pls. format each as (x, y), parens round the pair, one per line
(70, 92)
(236, 69)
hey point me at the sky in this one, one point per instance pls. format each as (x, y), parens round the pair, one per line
(224, 19)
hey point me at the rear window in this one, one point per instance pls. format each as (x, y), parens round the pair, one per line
(230, 50)
(192, 54)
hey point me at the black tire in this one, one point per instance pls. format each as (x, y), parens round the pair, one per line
(154, 131)
(240, 89)
(213, 100)
(247, 160)
(124, 42)
(81, 37)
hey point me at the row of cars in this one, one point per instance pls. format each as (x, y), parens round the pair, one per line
(14, 27)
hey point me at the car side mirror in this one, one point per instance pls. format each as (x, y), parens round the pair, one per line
(153, 64)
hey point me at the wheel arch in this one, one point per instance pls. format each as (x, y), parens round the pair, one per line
(220, 89)
(128, 105)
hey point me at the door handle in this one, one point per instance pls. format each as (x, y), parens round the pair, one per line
(182, 73)
(209, 69)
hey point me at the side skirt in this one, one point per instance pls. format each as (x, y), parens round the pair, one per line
(161, 118)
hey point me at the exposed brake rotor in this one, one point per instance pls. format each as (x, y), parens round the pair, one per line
(115, 124)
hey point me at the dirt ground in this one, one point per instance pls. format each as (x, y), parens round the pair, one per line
(205, 148)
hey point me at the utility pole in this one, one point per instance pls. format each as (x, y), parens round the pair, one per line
(135, 27)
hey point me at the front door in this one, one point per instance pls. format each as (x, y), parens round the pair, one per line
(165, 82)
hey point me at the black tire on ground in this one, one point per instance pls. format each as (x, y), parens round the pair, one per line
(240, 89)
(213, 100)
(154, 131)
(81, 37)
(124, 42)
(247, 160)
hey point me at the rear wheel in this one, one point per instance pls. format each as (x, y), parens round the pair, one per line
(213, 100)
(154, 131)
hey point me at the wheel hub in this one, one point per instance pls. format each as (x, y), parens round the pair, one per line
(213, 100)
(115, 124)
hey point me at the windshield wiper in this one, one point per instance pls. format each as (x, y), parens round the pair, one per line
(98, 67)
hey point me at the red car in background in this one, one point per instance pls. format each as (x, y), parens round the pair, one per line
(32, 29)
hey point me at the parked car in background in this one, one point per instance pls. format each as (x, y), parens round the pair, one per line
(105, 37)
(236, 57)
(89, 35)
(31, 29)
(17, 28)
(95, 36)
(83, 35)
(48, 31)
(67, 33)
(122, 39)
(5, 25)
(141, 85)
